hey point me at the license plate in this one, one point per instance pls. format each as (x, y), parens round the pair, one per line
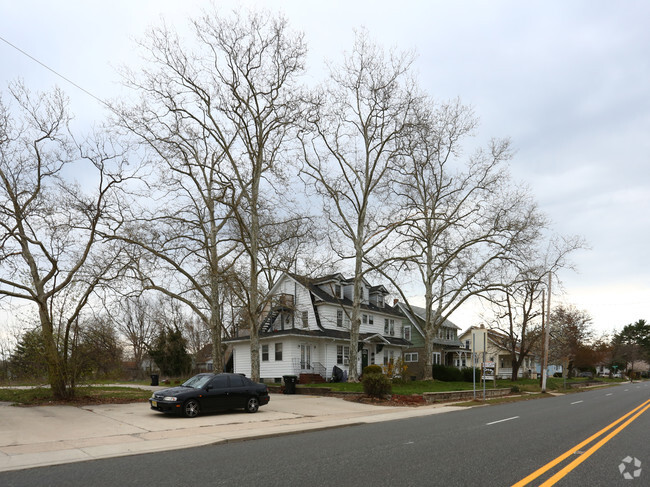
(154, 404)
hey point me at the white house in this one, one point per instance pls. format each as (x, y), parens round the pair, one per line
(305, 329)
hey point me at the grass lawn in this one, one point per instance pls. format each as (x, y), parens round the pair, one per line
(39, 396)
(420, 386)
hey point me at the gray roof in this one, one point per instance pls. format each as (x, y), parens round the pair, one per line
(339, 334)
(421, 313)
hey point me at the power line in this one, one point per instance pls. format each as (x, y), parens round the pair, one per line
(53, 71)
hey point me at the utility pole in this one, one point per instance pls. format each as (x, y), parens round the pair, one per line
(547, 335)
(541, 361)
(474, 363)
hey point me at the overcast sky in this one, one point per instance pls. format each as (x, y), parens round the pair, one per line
(568, 82)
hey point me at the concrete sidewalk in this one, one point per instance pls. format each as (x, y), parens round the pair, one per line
(49, 435)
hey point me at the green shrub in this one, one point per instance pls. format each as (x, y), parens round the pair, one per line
(372, 369)
(448, 374)
(515, 389)
(376, 385)
(467, 374)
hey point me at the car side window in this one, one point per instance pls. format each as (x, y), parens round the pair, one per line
(219, 382)
(236, 381)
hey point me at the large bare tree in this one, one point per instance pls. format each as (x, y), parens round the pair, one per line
(461, 218)
(51, 251)
(219, 113)
(351, 145)
(518, 302)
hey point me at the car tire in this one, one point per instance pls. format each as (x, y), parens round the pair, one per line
(252, 405)
(191, 408)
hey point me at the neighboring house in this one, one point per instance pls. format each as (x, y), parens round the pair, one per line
(204, 363)
(447, 348)
(305, 329)
(551, 369)
(497, 351)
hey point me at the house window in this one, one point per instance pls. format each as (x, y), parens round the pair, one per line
(436, 358)
(278, 352)
(305, 319)
(371, 320)
(380, 301)
(342, 355)
(339, 318)
(265, 353)
(467, 344)
(389, 327)
(347, 322)
(337, 291)
(389, 356)
(407, 332)
(411, 357)
(463, 361)
(364, 319)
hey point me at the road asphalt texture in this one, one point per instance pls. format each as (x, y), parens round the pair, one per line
(51, 435)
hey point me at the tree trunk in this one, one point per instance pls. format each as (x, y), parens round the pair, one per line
(353, 372)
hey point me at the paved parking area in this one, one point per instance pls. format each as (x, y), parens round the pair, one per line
(47, 435)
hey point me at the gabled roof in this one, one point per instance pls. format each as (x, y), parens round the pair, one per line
(495, 336)
(378, 289)
(323, 297)
(327, 333)
(420, 313)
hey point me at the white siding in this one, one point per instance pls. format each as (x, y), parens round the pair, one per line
(242, 358)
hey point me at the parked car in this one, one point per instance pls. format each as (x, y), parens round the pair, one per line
(209, 393)
(617, 375)
(589, 375)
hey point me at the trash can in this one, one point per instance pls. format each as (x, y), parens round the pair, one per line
(290, 382)
(154, 379)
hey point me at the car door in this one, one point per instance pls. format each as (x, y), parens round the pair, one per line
(217, 394)
(239, 391)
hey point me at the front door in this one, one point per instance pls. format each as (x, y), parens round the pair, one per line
(305, 357)
(364, 358)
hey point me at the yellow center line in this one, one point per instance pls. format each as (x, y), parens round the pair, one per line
(570, 452)
(562, 473)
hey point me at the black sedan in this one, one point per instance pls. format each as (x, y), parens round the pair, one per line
(211, 392)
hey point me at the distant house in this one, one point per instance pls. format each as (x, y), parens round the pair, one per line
(447, 349)
(492, 346)
(305, 327)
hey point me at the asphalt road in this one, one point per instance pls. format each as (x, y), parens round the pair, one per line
(496, 445)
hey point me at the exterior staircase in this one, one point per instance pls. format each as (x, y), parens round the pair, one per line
(311, 379)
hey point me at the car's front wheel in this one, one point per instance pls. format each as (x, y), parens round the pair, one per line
(252, 405)
(191, 408)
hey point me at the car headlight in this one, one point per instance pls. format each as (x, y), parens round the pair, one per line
(169, 398)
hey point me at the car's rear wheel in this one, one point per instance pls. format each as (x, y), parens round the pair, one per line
(191, 408)
(252, 405)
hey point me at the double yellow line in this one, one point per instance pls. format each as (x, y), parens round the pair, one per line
(632, 415)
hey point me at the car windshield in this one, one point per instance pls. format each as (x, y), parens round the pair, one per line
(197, 382)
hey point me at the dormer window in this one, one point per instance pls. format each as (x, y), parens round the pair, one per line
(380, 301)
(337, 291)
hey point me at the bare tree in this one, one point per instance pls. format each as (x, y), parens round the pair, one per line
(351, 144)
(516, 312)
(51, 251)
(219, 113)
(518, 301)
(134, 321)
(461, 219)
